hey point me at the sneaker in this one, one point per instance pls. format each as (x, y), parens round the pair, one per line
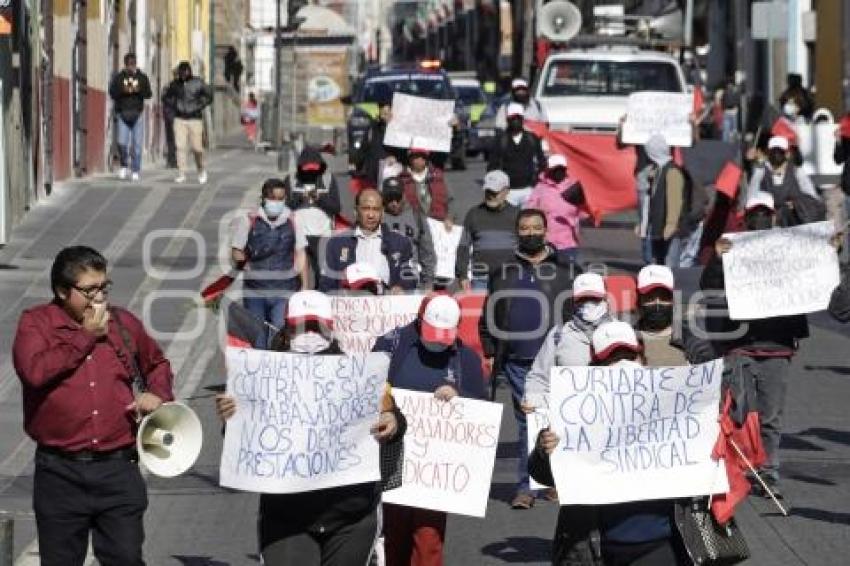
(522, 500)
(122, 173)
(181, 178)
(135, 176)
(202, 177)
(550, 494)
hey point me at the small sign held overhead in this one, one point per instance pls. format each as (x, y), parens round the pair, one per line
(770, 20)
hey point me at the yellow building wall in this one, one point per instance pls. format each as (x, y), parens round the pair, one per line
(191, 35)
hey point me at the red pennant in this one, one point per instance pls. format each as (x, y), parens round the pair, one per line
(729, 179)
(217, 288)
(844, 126)
(783, 127)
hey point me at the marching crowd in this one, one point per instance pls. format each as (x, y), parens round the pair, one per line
(78, 357)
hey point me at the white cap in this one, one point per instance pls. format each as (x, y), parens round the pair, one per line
(309, 305)
(556, 160)
(589, 286)
(761, 199)
(359, 274)
(519, 83)
(655, 276)
(778, 142)
(496, 180)
(515, 109)
(612, 335)
(440, 320)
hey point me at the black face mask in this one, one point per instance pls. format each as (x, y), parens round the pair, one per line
(558, 174)
(521, 96)
(759, 221)
(531, 244)
(776, 158)
(515, 125)
(656, 316)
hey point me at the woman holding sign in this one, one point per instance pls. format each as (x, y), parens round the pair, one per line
(629, 533)
(335, 526)
(427, 356)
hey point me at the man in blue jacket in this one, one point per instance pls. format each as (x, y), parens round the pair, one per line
(370, 242)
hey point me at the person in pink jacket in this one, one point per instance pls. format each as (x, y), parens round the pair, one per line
(562, 218)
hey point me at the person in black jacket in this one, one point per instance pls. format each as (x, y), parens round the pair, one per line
(767, 343)
(189, 96)
(519, 153)
(129, 89)
(313, 196)
(336, 525)
(526, 297)
(627, 533)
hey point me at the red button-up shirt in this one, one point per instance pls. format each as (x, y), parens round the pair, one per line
(76, 385)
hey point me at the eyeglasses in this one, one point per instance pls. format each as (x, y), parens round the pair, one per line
(91, 291)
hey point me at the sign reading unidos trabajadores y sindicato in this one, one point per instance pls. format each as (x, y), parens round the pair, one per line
(666, 113)
(780, 272)
(635, 433)
(302, 421)
(421, 123)
(449, 452)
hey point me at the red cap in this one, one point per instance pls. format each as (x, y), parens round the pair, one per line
(311, 166)
(439, 320)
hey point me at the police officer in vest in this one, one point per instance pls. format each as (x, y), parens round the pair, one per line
(267, 245)
(783, 180)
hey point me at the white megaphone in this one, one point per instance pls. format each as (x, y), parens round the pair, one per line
(169, 440)
(558, 21)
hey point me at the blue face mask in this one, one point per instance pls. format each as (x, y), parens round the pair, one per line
(274, 208)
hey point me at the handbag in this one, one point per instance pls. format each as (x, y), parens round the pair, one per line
(707, 542)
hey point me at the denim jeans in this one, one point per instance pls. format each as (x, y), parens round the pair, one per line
(131, 139)
(771, 384)
(515, 372)
(270, 310)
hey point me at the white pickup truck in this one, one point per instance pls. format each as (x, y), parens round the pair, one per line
(587, 89)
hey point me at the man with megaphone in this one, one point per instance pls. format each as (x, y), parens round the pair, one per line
(78, 360)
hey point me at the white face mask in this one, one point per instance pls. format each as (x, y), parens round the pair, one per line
(790, 109)
(274, 208)
(592, 311)
(309, 343)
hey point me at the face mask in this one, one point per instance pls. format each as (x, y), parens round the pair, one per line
(759, 221)
(514, 125)
(591, 311)
(434, 347)
(274, 208)
(791, 109)
(531, 244)
(521, 96)
(309, 343)
(558, 174)
(656, 316)
(776, 158)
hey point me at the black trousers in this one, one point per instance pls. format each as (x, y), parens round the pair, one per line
(107, 498)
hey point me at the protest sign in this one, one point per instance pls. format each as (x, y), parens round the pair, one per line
(632, 433)
(667, 113)
(359, 321)
(302, 421)
(419, 122)
(449, 452)
(779, 272)
(535, 422)
(445, 247)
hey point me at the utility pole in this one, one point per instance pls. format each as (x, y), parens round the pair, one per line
(278, 63)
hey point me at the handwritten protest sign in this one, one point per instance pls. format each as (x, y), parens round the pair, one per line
(359, 321)
(449, 452)
(536, 421)
(302, 422)
(420, 122)
(667, 113)
(780, 272)
(632, 433)
(445, 247)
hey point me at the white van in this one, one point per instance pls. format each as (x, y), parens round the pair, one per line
(587, 89)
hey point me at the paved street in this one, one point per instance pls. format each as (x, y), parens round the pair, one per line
(191, 521)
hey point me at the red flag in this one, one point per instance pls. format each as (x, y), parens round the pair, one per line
(606, 172)
(341, 223)
(729, 179)
(539, 129)
(699, 100)
(217, 288)
(783, 127)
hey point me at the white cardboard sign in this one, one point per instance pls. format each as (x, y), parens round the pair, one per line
(667, 113)
(302, 421)
(420, 122)
(635, 433)
(780, 272)
(360, 320)
(449, 453)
